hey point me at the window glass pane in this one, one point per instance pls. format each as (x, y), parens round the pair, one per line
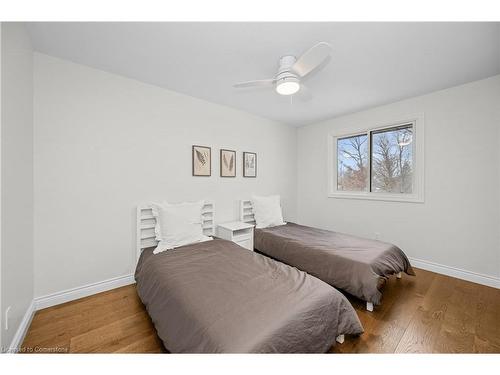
(352, 163)
(392, 160)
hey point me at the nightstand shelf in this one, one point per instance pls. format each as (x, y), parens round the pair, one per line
(237, 232)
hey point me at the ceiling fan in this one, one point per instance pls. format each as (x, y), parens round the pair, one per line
(291, 70)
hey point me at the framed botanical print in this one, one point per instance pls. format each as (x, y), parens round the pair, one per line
(227, 163)
(202, 161)
(249, 164)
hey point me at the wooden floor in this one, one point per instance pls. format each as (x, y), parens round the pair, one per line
(428, 314)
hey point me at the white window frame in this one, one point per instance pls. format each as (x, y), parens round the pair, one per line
(417, 195)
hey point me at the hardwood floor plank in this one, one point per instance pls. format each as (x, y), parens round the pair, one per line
(423, 330)
(431, 313)
(91, 312)
(112, 337)
(487, 327)
(445, 323)
(149, 344)
(62, 331)
(385, 326)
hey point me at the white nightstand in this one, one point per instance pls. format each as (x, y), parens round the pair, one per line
(238, 232)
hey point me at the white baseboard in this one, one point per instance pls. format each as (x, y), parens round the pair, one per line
(457, 272)
(18, 338)
(82, 291)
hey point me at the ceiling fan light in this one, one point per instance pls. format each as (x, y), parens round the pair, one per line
(287, 86)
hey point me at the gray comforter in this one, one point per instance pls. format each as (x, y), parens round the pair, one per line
(357, 265)
(216, 297)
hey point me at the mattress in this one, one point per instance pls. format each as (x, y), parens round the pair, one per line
(356, 265)
(217, 297)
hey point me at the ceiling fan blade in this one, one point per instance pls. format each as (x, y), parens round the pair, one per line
(312, 58)
(257, 83)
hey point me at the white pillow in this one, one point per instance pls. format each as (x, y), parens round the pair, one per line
(178, 225)
(267, 211)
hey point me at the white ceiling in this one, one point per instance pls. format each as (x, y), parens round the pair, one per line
(372, 63)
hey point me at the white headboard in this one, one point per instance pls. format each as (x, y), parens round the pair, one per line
(146, 225)
(246, 211)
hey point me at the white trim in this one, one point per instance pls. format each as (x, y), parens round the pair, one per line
(418, 162)
(364, 195)
(82, 291)
(18, 338)
(457, 272)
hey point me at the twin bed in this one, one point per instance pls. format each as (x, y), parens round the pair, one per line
(356, 265)
(217, 297)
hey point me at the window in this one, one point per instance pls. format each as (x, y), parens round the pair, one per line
(383, 163)
(352, 163)
(392, 159)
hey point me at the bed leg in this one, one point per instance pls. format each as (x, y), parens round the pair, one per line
(369, 306)
(340, 339)
(398, 275)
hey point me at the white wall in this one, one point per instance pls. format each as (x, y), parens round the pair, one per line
(17, 176)
(458, 225)
(103, 143)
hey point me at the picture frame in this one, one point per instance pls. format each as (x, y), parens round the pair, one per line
(201, 161)
(227, 163)
(249, 164)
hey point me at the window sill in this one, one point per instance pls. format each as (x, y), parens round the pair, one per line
(411, 198)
